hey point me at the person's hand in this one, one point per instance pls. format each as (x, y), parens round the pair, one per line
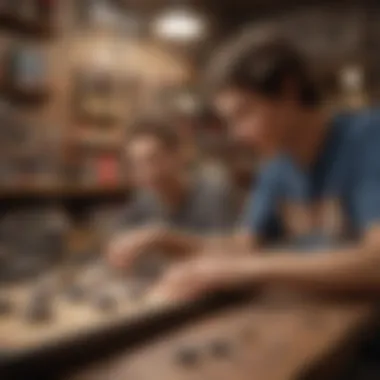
(125, 249)
(240, 243)
(196, 278)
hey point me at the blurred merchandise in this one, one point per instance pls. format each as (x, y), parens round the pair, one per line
(32, 240)
(97, 170)
(98, 13)
(26, 69)
(28, 157)
(88, 171)
(108, 15)
(14, 130)
(94, 97)
(108, 170)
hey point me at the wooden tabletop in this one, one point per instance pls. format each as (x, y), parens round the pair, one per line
(256, 341)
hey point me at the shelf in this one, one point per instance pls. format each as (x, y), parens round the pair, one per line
(28, 97)
(40, 27)
(21, 192)
(113, 147)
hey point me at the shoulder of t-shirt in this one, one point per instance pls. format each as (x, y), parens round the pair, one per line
(359, 126)
(275, 169)
(139, 202)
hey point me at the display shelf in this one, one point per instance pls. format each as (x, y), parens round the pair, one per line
(19, 192)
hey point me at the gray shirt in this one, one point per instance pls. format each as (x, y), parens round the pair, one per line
(208, 207)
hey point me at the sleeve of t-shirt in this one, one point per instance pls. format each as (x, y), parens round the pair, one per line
(226, 215)
(216, 207)
(132, 216)
(261, 206)
(366, 187)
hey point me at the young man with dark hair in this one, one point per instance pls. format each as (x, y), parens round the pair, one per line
(320, 185)
(173, 206)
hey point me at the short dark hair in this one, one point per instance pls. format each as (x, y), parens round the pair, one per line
(262, 63)
(157, 129)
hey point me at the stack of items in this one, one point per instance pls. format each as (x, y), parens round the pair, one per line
(25, 155)
(16, 138)
(26, 69)
(32, 240)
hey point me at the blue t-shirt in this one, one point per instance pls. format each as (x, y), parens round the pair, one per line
(347, 169)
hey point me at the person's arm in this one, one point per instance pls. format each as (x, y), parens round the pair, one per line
(355, 269)
(215, 203)
(126, 246)
(227, 233)
(348, 269)
(131, 233)
(135, 236)
(236, 242)
(351, 268)
(174, 241)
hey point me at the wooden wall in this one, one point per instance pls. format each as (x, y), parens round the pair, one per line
(68, 48)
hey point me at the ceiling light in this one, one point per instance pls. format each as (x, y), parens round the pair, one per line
(180, 24)
(352, 78)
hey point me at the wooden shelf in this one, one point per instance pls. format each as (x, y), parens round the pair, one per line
(114, 147)
(41, 27)
(20, 192)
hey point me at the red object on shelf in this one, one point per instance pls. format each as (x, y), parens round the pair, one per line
(108, 170)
